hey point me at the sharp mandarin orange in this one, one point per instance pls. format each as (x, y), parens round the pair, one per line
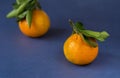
(79, 48)
(78, 51)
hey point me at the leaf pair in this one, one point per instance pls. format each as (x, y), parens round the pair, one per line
(101, 36)
(17, 9)
(88, 35)
(22, 9)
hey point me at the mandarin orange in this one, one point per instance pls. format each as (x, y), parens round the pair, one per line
(77, 51)
(39, 25)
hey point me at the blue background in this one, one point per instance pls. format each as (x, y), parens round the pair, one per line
(24, 57)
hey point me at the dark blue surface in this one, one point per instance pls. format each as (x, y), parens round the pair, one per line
(23, 57)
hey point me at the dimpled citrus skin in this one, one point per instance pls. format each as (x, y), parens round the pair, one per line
(77, 51)
(39, 26)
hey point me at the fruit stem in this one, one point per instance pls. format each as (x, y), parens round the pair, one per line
(73, 26)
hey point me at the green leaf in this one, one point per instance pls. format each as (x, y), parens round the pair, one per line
(22, 7)
(15, 6)
(21, 16)
(20, 1)
(29, 17)
(12, 14)
(79, 26)
(90, 33)
(31, 5)
(90, 42)
(104, 34)
(101, 36)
